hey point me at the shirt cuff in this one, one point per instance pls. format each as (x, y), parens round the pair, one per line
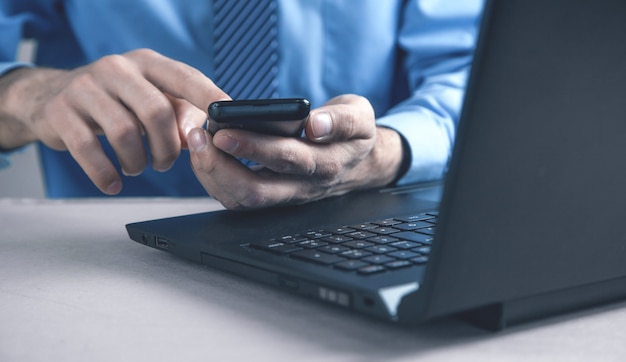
(428, 142)
(5, 161)
(5, 157)
(6, 67)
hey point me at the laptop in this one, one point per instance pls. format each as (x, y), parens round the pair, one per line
(528, 223)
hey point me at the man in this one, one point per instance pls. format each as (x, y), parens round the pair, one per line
(385, 78)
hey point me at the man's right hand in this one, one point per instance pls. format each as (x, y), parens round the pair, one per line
(120, 96)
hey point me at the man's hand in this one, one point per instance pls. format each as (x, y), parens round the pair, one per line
(120, 96)
(343, 151)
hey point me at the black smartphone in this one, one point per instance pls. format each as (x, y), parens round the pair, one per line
(282, 116)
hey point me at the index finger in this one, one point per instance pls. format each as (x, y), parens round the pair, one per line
(178, 79)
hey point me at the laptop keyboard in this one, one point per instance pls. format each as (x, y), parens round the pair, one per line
(366, 249)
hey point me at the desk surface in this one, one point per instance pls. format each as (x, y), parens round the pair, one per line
(73, 287)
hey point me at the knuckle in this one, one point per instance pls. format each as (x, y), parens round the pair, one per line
(80, 145)
(186, 72)
(329, 169)
(113, 62)
(79, 85)
(255, 197)
(123, 133)
(156, 108)
(289, 160)
(293, 161)
(141, 53)
(204, 168)
(167, 158)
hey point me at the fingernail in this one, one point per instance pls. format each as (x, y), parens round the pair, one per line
(225, 142)
(163, 168)
(126, 173)
(321, 125)
(197, 140)
(114, 188)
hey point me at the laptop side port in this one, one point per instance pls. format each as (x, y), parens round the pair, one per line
(161, 243)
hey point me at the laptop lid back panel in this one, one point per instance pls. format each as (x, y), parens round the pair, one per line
(535, 199)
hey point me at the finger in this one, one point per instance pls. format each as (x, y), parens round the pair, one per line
(215, 169)
(342, 118)
(121, 127)
(151, 107)
(280, 154)
(178, 79)
(233, 184)
(85, 148)
(188, 117)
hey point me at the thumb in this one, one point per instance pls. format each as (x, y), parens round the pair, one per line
(197, 140)
(188, 117)
(342, 118)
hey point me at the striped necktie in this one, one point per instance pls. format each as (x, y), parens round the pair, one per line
(246, 48)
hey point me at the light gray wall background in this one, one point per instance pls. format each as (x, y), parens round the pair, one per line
(23, 178)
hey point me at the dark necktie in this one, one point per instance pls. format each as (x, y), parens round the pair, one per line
(246, 48)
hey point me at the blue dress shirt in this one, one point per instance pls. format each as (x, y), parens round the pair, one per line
(409, 58)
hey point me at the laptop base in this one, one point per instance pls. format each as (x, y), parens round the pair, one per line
(498, 316)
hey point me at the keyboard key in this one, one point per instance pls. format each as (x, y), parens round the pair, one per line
(333, 249)
(371, 269)
(275, 246)
(413, 225)
(378, 259)
(363, 226)
(382, 239)
(311, 244)
(290, 239)
(404, 254)
(350, 265)
(427, 231)
(317, 257)
(355, 254)
(420, 259)
(360, 234)
(384, 230)
(357, 244)
(337, 239)
(413, 236)
(340, 230)
(317, 234)
(423, 249)
(387, 222)
(397, 264)
(405, 244)
(381, 249)
(416, 218)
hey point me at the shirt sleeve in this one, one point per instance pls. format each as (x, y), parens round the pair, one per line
(438, 38)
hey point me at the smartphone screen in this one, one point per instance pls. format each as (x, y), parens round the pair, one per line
(282, 117)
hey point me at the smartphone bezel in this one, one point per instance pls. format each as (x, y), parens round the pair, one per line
(279, 116)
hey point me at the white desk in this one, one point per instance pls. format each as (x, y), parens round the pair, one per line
(73, 287)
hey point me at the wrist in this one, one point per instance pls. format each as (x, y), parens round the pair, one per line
(16, 89)
(391, 156)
